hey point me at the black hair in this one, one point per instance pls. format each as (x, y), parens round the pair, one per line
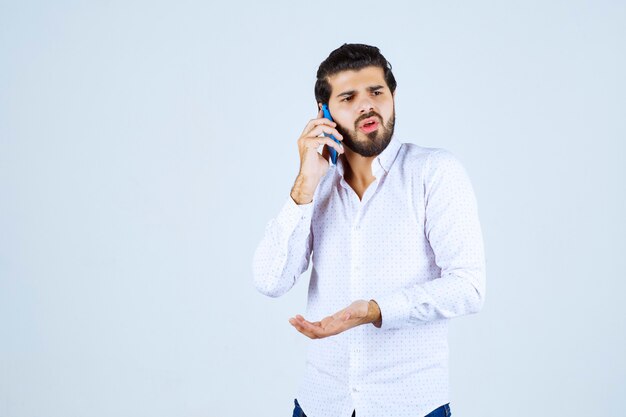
(350, 56)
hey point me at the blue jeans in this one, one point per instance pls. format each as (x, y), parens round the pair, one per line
(443, 411)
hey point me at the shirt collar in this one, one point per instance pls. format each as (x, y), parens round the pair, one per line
(383, 161)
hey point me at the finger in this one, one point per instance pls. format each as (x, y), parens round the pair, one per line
(310, 328)
(321, 120)
(322, 128)
(302, 329)
(304, 332)
(302, 321)
(318, 141)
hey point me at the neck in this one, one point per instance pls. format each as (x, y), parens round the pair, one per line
(357, 168)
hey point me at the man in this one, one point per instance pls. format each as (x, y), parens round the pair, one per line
(396, 248)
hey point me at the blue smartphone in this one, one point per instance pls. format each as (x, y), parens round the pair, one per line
(333, 152)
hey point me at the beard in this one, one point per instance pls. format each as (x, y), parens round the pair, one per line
(375, 142)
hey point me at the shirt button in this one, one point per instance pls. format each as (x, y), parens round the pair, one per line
(355, 389)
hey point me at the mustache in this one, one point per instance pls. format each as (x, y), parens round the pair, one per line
(366, 116)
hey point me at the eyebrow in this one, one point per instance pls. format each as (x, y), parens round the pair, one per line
(370, 89)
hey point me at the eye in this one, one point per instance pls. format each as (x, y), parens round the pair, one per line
(347, 98)
(377, 93)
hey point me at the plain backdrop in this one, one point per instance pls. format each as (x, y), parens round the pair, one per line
(145, 145)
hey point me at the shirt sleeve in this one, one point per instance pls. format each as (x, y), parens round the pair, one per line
(284, 252)
(453, 230)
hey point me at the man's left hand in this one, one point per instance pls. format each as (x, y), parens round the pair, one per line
(357, 313)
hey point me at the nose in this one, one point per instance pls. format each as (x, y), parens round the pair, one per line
(365, 105)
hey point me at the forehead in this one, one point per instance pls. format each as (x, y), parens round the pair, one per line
(355, 80)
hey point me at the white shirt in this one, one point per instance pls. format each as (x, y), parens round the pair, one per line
(413, 244)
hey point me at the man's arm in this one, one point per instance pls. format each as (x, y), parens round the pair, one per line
(285, 250)
(453, 230)
(284, 253)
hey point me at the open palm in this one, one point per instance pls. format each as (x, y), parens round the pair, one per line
(353, 315)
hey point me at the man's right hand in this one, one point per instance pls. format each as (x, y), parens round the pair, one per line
(314, 166)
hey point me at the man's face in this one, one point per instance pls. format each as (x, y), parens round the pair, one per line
(362, 106)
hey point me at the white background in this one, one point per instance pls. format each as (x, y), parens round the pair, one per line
(144, 146)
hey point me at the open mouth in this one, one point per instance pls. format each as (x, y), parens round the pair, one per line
(369, 125)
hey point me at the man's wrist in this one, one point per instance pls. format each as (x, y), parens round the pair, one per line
(303, 190)
(301, 198)
(374, 314)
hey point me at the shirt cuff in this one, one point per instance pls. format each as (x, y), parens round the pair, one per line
(295, 212)
(395, 310)
(292, 216)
